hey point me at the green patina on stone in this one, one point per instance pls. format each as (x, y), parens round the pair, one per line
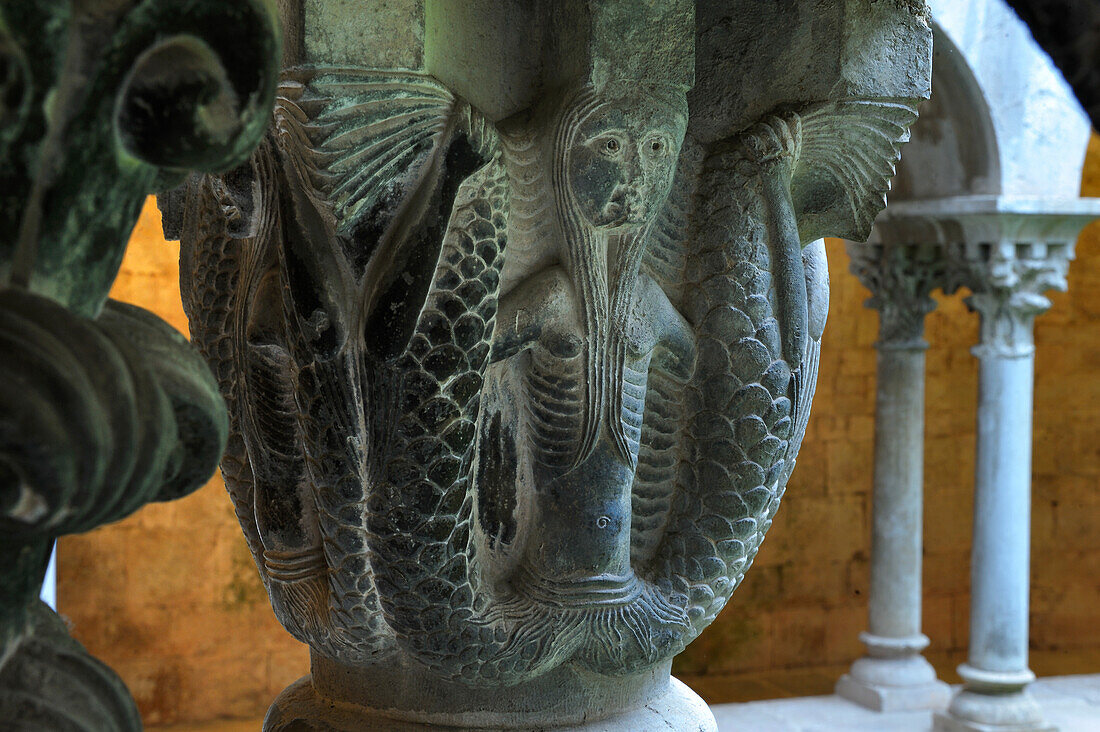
(103, 406)
(519, 342)
(110, 104)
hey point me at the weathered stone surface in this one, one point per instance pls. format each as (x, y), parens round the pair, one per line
(359, 32)
(103, 406)
(516, 385)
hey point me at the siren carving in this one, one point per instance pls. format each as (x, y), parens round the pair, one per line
(512, 395)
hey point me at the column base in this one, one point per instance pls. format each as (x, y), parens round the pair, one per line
(992, 702)
(893, 677)
(299, 708)
(884, 698)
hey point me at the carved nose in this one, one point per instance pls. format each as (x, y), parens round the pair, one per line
(625, 206)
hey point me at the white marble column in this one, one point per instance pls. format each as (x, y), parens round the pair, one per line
(1008, 279)
(893, 675)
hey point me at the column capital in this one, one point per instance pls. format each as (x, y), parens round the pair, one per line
(1009, 280)
(1008, 250)
(901, 278)
(496, 234)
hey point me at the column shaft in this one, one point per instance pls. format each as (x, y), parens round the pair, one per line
(1002, 515)
(1007, 294)
(895, 601)
(893, 676)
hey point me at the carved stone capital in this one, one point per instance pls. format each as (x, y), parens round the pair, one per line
(1008, 251)
(520, 349)
(901, 279)
(1008, 280)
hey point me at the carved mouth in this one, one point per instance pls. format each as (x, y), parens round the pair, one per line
(613, 214)
(625, 207)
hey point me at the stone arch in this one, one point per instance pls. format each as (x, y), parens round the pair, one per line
(953, 149)
(1002, 121)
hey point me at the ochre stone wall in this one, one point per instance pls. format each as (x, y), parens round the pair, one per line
(170, 597)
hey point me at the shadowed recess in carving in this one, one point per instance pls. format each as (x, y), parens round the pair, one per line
(496, 484)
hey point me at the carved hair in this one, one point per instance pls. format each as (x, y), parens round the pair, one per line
(586, 262)
(605, 305)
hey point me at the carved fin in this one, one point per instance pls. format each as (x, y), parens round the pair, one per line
(367, 129)
(804, 378)
(847, 158)
(654, 485)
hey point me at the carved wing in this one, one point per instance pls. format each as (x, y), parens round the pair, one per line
(381, 150)
(362, 134)
(846, 159)
(358, 131)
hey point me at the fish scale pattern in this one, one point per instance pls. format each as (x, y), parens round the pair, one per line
(209, 277)
(381, 463)
(420, 513)
(738, 419)
(330, 423)
(335, 609)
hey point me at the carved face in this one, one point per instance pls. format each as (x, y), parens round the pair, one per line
(621, 164)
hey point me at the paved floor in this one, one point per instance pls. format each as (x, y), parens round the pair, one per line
(1072, 703)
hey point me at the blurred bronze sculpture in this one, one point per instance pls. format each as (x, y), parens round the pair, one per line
(517, 370)
(103, 406)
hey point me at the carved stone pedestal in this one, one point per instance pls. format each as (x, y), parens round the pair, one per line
(893, 676)
(520, 345)
(565, 699)
(992, 702)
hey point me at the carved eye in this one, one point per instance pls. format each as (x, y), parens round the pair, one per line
(611, 146)
(656, 147)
